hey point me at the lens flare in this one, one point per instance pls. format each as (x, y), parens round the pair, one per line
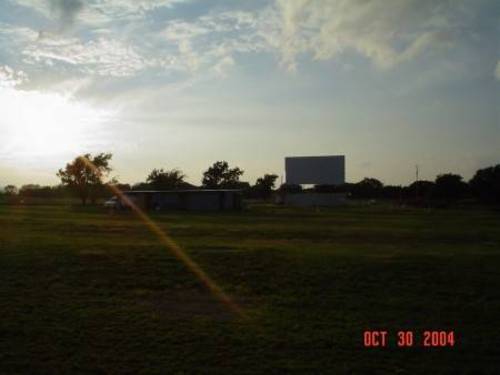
(175, 249)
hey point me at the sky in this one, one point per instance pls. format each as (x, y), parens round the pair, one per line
(184, 83)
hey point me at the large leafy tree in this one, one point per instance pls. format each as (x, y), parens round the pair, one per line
(449, 187)
(219, 175)
(265, 185)
(10, 190)
(367, 188)
(85, 174)
(486, 184)
(167, 180)
(421, 190)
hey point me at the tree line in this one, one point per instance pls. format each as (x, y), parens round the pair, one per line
(445, 190)
(87, 177)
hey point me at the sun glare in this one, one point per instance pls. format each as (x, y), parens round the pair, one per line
(38, 126)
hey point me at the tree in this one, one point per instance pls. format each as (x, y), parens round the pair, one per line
(219, 175)
(486, 184)
(85, 174)
(122, 187)
(421, 189)
(392, 192)
(290, 188)
(113, 185)
(166, 180)
(264, 185)
(29, 190)
(10, 190)
(346, 187)
(140, 186)
(367, 188)
(34, 190)
(449, 187)
(325, 188)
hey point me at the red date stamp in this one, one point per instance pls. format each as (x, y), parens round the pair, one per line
(402, 339)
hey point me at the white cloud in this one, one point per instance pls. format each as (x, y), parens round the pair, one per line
(103, 57)
(179, 30)
(130, 8)
(206, 44)
(212, 40)
(97, 13)
(223, 65)
(189, 58)
(40, 6)
(13, 34)
(94, 12)
(10, 78)
(385, 31)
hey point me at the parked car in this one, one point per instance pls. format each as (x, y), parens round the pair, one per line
(112, 203)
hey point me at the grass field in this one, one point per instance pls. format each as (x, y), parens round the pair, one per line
(83, 291)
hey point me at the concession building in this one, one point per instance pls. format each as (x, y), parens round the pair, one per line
(191, 200)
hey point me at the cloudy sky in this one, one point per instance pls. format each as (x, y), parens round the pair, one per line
(183, 83)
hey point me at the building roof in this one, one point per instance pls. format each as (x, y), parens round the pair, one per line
(182, 191)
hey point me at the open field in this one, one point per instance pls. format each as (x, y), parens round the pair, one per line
(83, 291)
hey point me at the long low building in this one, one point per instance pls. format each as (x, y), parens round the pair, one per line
(200, 199)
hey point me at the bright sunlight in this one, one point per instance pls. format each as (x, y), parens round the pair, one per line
(38, 126)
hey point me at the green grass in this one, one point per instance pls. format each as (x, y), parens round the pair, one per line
(82, 291)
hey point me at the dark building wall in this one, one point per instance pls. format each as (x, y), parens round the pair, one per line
(188, 200)
(210, 201)
(167, 201)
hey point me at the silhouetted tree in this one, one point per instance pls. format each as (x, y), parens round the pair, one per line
(344, 188)
(485, 184)
(85, 174)
(166, 180)
(449, 187)
(28, 188)
(325, 188)
(367, 188)
(34, 190)
(243, 185)
(122, 187)
(219, 175)
(264, 185)
(420, 190)
(290, 188)
(10, 190)
(116, 185)
(141, 186)
(392, 192)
